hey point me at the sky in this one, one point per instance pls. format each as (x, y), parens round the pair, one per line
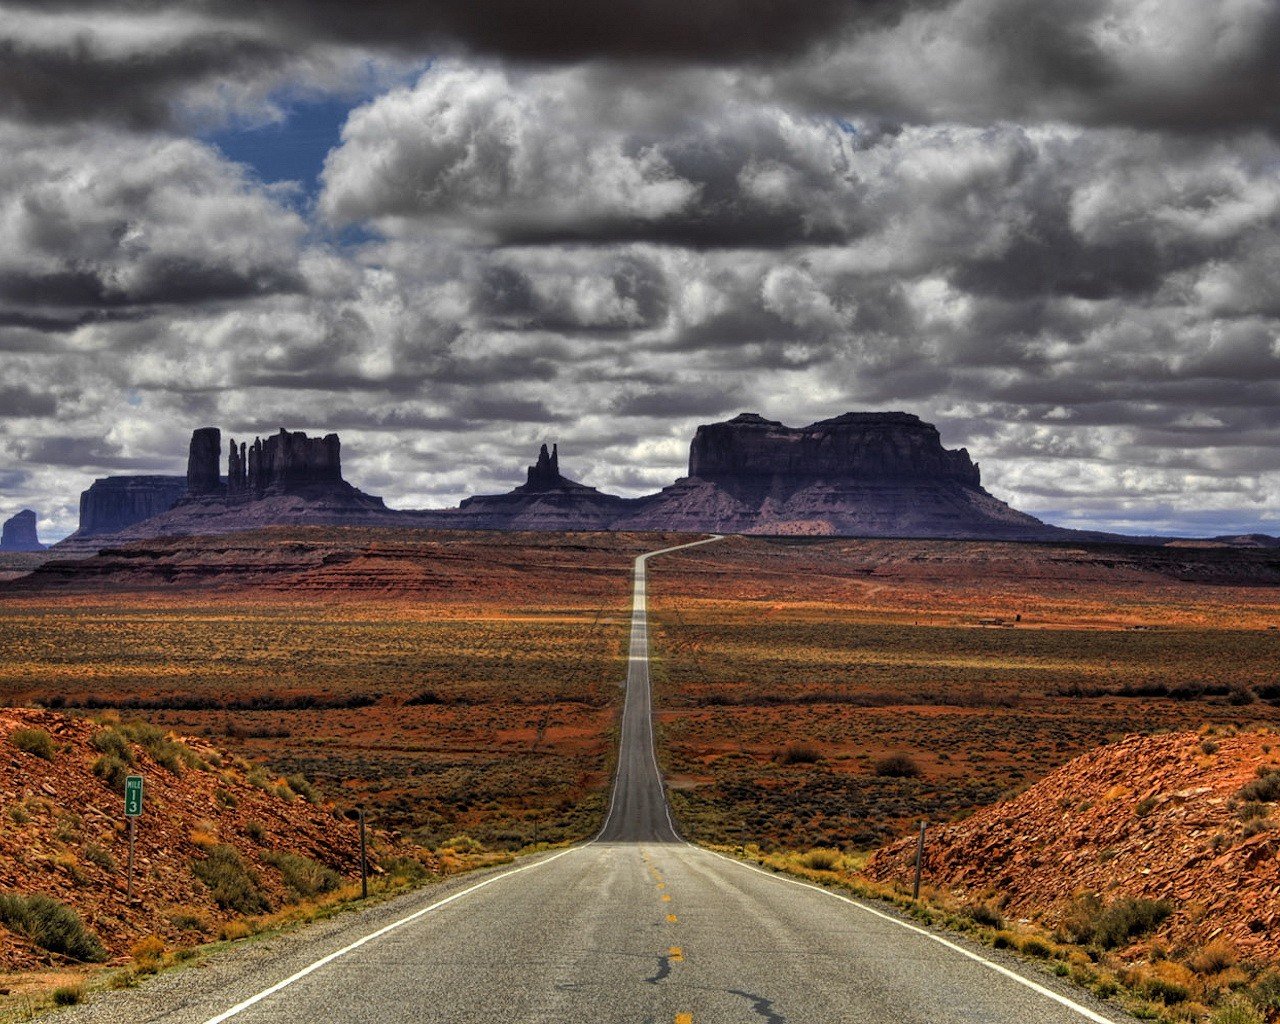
(451, 230)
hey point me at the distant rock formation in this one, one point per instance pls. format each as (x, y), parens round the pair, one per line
(203, 476)
(860, 474)
(284, 462)
(20, 534)
(856, 446)
(545, 501)
(115, 503)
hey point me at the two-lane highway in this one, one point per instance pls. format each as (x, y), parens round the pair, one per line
(634, 926)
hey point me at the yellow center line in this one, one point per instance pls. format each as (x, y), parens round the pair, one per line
(666, 897)
(677, 955)
(671, 918)
(684, 1018)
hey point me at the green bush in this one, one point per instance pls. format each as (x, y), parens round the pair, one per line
(34, 741)
(68, 995)
(300, 785)
(984, 915)
(164, 750)
(1265, 788)
(303, 876)
(1093, 924)
(1237, 1011)
(50, 925)
(233, 885)
(111, 770)
(112, 741)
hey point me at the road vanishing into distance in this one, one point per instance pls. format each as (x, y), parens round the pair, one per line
(634, 926)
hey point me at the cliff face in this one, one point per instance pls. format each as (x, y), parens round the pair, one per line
(114, 503)
(20, 534)
(860, 474)
(282, 463)
(890, 446)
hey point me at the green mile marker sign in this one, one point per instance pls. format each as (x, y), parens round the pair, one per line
(133, 796)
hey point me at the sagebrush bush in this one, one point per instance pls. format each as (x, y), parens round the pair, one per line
(34, 741)
(897, 766)
(1265, 788)
(50, 925)
(799, 753)
(231, 882)
(111, 770)
(68, 995)
(303, 877)
(1110, 926)
(822, 859)
(303, 787)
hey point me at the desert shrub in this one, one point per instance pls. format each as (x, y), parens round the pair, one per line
(68, 995)
(164, 750)
(1265, 990)
(1165, 990)
(111, 770)
(50, 925)
(112, 741)
(1213, 957)
(462, 844)
(1145, 806)
(33, 741)
(406, 869)
(1237, 1011)
(1091, 923)
(1265, 788)
(303, 876)
(96, 854)
(822, 859)
(1037, 947)
(897, 766)
(426, 697)
(1209, 746)
(1252, 809)
(984, 915)
(188, 920)
(148, 953)
(256, 832)
(799, 753)
(231, 883)
(303, 787)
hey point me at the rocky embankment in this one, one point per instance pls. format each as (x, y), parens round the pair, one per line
(64, 834)
(1181, 817)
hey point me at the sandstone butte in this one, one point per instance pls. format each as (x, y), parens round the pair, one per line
(56, 809)
(1151, 817)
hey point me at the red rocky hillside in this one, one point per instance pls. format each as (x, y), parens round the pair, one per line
(62, 833)
(1184, 818)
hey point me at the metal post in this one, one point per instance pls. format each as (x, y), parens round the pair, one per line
(364, 861)
(915, 892)
(129, 887)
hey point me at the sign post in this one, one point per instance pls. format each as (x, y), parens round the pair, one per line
(364, 861)
(132, 811)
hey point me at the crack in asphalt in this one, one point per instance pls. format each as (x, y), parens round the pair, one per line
(761, 1005)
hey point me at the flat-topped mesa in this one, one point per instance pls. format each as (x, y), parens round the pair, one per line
(862, 446)
(117, 502)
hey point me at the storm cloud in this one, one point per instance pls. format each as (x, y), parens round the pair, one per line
(1049, 227)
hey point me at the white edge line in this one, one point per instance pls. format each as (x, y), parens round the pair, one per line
(252, 1000)
(310, 968)
(1057, 997)
(1048, 993)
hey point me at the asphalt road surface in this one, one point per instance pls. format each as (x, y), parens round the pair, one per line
(634, 926)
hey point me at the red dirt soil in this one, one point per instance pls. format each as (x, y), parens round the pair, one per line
(1152, 817)
(55, 809)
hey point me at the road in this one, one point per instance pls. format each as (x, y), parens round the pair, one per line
(634, 926)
